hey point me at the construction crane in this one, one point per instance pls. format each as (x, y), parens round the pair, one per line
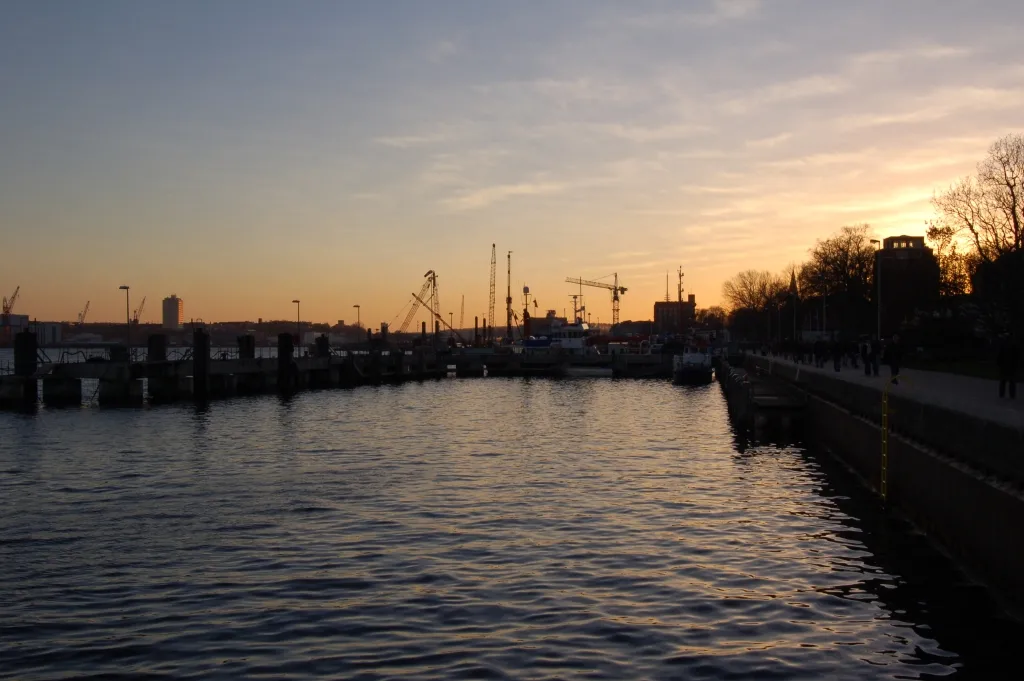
(438, 317)
(462, 312)
(415, 306)
(614, 288)
(83, 313)
(9, 303)
(490, 308)
(138, 312)
(435, 300)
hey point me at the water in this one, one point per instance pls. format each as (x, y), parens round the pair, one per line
(471, 529)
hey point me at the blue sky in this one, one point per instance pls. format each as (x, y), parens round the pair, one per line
(242, 154)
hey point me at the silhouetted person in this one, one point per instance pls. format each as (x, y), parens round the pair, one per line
(894, 355)
(837, 354)
(1008, 361)
(876, 355)
(865, 356)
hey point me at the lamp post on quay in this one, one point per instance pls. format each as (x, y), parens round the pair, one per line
(878, 277)
(127, 320)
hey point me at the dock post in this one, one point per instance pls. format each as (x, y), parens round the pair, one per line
(62, 391)
(156, 348)
(323, 346)
(286, 372)
(200, 365)
(247, 346)
(26, 354)
(26, 351)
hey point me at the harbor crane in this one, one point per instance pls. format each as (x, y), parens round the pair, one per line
(9, 303)
(438, 317)
(138, 312)
(490, 307)
(614, 288)
(83, 313)
(429, 286)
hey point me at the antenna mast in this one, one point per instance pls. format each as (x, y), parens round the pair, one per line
(508, 300)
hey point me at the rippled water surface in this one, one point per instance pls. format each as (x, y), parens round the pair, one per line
(475, 529)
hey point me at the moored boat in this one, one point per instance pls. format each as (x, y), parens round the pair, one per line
(693, 366)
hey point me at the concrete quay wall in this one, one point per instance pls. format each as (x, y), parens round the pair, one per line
(951, 492)
(991, 448)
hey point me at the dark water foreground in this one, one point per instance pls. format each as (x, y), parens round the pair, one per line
(462, 529)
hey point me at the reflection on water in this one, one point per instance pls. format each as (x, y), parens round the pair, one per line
(461, 529)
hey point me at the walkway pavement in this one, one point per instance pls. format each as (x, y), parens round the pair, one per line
(978, 397)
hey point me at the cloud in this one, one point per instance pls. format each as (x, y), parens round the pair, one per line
(486, 196)
(922, 52)
(442, 50)
(721, 12)
(409, 141)
(791, 90)
(643, 134)
(706, 189)
(770, 142)
(937, 105)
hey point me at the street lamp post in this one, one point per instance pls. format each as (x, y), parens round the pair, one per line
(358, 321)
(298, 320)
(127, 320)
(878, 276)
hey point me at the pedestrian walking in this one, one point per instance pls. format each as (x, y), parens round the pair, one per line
(876, 355)
(894, 355)
(1008, 361)
(837, 354)
(865, 355)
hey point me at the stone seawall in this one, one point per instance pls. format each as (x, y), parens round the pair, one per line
(957, 477)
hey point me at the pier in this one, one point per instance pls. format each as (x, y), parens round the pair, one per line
(201, 373)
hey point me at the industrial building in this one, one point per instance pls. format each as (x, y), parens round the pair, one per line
(173, 313)
(671, 316)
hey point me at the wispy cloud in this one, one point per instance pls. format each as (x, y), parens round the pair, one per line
(442, 51)
(486, 196)
(719, 12)
(770, 142)
(937, 105)
(652, 133)
(921, 52)
(786, 91)
(409, 141)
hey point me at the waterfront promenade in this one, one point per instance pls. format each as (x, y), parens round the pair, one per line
(976, 397)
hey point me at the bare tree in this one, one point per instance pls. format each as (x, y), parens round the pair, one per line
(753, 290)
(843, 263)
(956, 266)
(712, 317)
(989, 207)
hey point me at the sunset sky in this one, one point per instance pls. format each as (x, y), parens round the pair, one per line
(242, 154)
